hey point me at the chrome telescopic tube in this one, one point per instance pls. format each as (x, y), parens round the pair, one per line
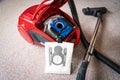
(93, 40)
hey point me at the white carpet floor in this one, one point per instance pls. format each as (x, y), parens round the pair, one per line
(20, 60)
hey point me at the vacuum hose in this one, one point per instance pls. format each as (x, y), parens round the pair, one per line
(97, 54)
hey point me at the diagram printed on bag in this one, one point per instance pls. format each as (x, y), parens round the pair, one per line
(58, 56)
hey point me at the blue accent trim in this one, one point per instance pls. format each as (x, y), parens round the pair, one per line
(63, 31)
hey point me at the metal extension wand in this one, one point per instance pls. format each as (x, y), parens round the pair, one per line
(93, 40)
(97, 12)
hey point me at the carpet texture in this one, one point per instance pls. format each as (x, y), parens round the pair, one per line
(20, 60)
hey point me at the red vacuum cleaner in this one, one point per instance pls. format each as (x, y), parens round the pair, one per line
(47, 23)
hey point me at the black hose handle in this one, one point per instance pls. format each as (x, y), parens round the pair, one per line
(82, 70)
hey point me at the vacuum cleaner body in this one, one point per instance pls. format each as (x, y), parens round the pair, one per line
(46, 22)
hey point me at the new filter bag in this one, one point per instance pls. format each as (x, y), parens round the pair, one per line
(58, 57)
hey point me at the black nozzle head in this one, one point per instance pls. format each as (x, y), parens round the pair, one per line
(96, 12)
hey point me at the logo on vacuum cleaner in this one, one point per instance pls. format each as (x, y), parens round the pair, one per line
(58, 26)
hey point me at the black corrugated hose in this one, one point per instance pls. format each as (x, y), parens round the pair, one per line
(97, 54)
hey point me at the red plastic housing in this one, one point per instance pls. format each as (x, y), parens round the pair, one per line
(31, 20)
